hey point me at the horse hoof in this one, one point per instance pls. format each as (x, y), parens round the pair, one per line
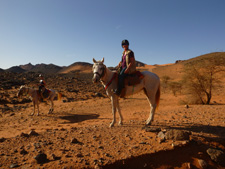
(120, 123)
(111, 125)
(148, 123)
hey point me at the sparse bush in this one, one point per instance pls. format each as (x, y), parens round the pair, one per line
(164, 82)
(201, 77)
(175, 87)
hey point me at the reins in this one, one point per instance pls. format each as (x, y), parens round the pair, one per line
(108, 84)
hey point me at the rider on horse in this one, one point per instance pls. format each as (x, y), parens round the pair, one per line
(126, 66)
(42, 85)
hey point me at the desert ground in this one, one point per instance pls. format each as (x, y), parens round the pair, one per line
(77, 133)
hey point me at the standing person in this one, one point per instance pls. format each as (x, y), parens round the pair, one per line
(127, 65)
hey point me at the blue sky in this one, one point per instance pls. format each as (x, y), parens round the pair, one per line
(66, 31)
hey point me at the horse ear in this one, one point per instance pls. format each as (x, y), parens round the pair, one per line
(102, 60)
(94, 60)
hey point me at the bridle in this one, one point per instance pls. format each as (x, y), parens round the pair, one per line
(103, 72)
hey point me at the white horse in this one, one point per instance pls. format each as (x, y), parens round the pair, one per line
(150, 84)
(35, 97)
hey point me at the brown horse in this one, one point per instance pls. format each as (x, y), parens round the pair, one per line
(36, 97)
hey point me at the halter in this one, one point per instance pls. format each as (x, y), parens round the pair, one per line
(103, 72)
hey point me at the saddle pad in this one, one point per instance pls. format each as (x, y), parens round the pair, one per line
(46, 93)
(134, 79)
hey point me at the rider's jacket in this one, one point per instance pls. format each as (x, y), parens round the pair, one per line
(129, 54)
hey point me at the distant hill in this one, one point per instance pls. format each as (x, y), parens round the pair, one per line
(1, 70)
(15, 69)
(46, 68)
(140, 64)
(77, 67)
(175, 71)
(27, 67)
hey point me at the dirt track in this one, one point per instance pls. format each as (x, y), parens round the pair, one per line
(77, 135)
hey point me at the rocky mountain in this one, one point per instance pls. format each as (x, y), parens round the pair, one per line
(46, 68)
(1, 70)
(27, 67)
(15, 69)
(77, 67)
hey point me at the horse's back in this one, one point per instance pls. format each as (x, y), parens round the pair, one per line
(151, 78)
(150, 75)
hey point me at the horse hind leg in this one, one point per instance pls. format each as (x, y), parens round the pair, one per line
(51, 107)
(152, 102)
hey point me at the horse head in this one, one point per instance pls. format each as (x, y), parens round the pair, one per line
(98, 70)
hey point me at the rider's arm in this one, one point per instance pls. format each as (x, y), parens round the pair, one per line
(132, 61)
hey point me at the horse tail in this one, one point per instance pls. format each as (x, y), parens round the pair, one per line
(157, 97)
(59, 96)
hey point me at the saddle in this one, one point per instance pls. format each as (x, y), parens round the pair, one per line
(131, 80)
(46, 93)
(43, 92)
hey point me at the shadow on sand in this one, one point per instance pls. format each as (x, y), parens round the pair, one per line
(180, 156)
(76, 118)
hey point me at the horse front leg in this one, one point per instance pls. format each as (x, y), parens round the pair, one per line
(119, 111)
(51, 107)
(38, 107)
(34, 108)
(113, 101)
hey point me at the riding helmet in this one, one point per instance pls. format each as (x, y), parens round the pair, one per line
(125, 42)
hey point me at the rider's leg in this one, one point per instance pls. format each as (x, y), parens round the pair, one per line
(120, 86)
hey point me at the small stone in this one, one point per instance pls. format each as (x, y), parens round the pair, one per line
(23, 152)
(33, 133)
(24, 135)
(41, 158)
(80, 155)
(152, 129)
(75, 141)
(202, 164)
(2, 139)
(101, 147)
(161, 137)
(177, 135)
(142, 142)
(14, 166)
(216, 155)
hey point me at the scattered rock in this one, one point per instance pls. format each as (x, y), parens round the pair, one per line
(14, 165)
(161, 137)
(24, 135)
(41, 158)
(33, 133)
(152, 129)
(80, 155)
(202, 163)
(216, 155)
(23, 152)
(75, 141)
(2, 139)
(177, 135)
